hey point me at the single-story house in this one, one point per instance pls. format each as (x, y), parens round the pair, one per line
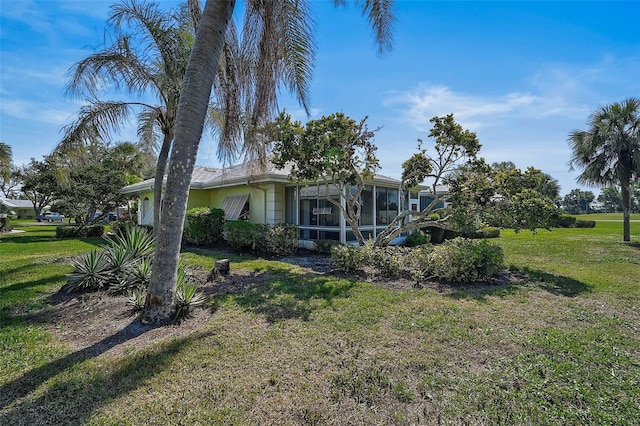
(266, 195)
(22, 209)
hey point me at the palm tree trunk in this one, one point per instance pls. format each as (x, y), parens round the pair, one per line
(161, 167)
(626, 211)
(192, 109)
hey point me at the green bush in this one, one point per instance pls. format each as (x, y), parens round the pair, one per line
(204, 226)
(325, 246)
(90, 272)
(416, 238)
(242, 236)
(456, 261)
(68, 231)
(348, 258)
(281, 240)
(5, 224)
(484, 232)
(585, 224)
(566, 221)
(464, 260)
(276, 240)
(123, 264)
(390, 261)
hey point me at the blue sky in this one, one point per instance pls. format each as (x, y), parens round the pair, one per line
(521, 75)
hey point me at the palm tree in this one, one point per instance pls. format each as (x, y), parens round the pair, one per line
(5, 160)
(156, 68)
(609, 152)
(273, 24)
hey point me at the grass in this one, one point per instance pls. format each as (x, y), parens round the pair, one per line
(607, 216)
(560, 348)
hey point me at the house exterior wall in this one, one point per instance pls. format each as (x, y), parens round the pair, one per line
(275, 203)
(24, 213)
(198, 198)
(257, 199)
(145, 208)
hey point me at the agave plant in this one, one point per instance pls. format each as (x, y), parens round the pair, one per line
(135, 299)
(136, 240)
(90, 272)
(121, 263)
(141, 273)
(187, 294)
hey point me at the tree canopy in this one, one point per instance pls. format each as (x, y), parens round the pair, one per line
(608, 153)
(333, 150)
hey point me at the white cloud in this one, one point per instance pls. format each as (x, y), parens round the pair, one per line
(475, 111)
(34, 111)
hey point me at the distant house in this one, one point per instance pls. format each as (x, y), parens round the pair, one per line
(267, 195)
(22, 209)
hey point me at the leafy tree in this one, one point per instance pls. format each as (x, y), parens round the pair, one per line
(578, 201)
(453, 147)
(549, 187)
(94, 187)
(11, 187)
(5, 161)
(149, 56)
(275, 24)
(500, 196)
(609, 152)
(334, 150)
(39, 183)
(611, 199)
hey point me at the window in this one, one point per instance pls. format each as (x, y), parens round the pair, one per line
(386, 205)
(366, 206)
(234, 205)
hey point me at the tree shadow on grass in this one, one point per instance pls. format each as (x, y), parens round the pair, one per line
(74, 395)
(635, 246)
(279, 294)
(29, 239)
(555, 284)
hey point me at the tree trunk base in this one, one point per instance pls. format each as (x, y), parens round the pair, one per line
(221, 269)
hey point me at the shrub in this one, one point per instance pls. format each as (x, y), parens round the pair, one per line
(135, 299)
(348, 258)
(91, 231)
(90, 272)
(585, 224)
(204, 226)
(325, 246)
(276, 240)
(123, 264)
(566, 221)
(484, 232)
(242, 236)
(416, 238)
(281, 240)
(5, 224)
(463, 260)
(187, 294)
(389, 261)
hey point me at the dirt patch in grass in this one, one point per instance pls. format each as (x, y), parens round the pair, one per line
(101, 323)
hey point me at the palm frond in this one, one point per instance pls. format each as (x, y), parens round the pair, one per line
(609, 151)
(149, 134)
(381, 18)
(94, 122)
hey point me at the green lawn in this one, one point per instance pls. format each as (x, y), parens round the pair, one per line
(560, 348)
(607, 216)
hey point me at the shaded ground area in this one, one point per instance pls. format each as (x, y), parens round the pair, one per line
(103, 323)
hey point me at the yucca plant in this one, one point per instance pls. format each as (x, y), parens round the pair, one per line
(187, 294)
(136, 240)
(90, 272)
(121, 263)
(141, 273)
(136, 298)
